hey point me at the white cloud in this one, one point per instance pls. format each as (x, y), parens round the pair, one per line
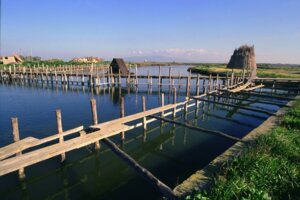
(179, 52)
(186, 54)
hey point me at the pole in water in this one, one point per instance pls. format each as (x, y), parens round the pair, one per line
(174, 101)
(95, 119)
(16, 135)
(144, 110)
(122, 114)
(60, 131)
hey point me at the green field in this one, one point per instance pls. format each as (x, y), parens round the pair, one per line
(263, 70)
(269, 169)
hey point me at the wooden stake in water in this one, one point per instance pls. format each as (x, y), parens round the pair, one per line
(136, 76)
(16, 135)
(144, 110)
(122, 114)
(159, 76)
(60, 131)
(162, 103)
(95, 119)
(170, 76)
(198, 85)
(120, 79)
(174, 101)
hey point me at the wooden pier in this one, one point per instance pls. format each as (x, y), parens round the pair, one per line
(29, 151)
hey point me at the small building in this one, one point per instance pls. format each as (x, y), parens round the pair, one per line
(14, 59)
(119, 64)
(244, 58)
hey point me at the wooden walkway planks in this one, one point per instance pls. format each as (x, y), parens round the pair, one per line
(24, 160)
(107, 129)
(15, 147)
(242, 87)
(253, 88)
(137, 116)
(32, 142)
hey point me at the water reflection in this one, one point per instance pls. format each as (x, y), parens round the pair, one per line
(170, 152)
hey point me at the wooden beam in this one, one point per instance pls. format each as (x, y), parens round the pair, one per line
(36, 156)
(237, 106)
(29, 142)
(95, 119)
(249, 100)
(268, 96)
(122, 114)
(253, 88)
(163, 188)
(198, 128)
(60, 131)
(144, 110)
(16, 135)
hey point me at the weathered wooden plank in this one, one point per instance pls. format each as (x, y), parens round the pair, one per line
(137, 116)
(32, 142)
(164, 189)
(24, 160)
(242, 87)
(15, 147)
(253, 88)
(219, 133)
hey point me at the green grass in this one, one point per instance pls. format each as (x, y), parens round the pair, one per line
(269, 169)
(52, 63)
(263, 72)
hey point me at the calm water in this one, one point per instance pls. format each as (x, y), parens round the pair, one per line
(172, 153)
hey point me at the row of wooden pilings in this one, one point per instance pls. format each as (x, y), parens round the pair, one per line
(16, 134)
(103, 76)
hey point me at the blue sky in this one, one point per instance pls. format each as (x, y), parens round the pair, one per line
(183, 30)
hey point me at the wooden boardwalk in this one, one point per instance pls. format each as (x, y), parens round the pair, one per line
(29, 151)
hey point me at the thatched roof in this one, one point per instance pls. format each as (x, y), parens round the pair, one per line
(119, 64)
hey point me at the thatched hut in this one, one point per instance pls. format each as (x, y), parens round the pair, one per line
(119, 64)
(243, 58)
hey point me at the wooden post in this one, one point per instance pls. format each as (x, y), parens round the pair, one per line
(198, 85)
(144, 110)
(128, 78)
(159, 76)
(95, 119)
(16, 135)
(210, 84)
(60, 131)
(148, 78)
(120, 79)
(227, 80)
(122, 114)
(112, 77)
(162, 103)
(186, 108)
(217, 82)
(174, 101)
(136, 76)
(179, 81)
(82, 79)
(170, 76)
(188, 84)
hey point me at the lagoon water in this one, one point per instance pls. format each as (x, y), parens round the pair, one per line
(172, 153)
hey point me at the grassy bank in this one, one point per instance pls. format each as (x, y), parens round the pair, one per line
(262, 71)
(270, 169)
